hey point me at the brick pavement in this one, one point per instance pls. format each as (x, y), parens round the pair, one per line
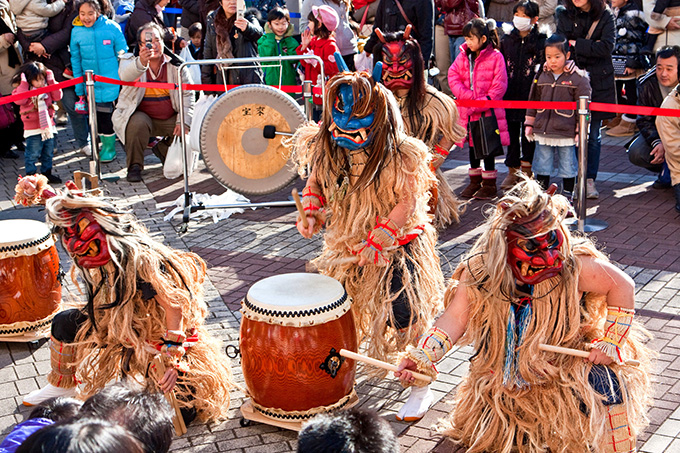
(264, 242)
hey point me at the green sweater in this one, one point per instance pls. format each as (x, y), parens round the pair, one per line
(269, 46)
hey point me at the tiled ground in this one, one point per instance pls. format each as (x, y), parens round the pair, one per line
(256, 244)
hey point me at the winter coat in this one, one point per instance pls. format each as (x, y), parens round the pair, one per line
(131, 70)
(324, 48)
(490, 82)
(345, 38)
(658, 27)
(593, 55)
(501, 10)
(546, 14)
(388, 18)
(33, 15)
(145, 12)
(631, 36)
(269, 46)
(669, 130)
(457, 13)
(190, 13)
(568, 87)
(21, 432)
(522, 56)
(27, 106)
(97, 48)
(7, 72)
(649, 95)
(243, 46)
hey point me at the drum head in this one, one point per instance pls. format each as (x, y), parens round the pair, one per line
(20, 237)
(233, 144)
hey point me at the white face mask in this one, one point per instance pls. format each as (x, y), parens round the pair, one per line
(521, 23)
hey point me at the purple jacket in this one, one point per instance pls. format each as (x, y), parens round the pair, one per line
(490, 82)
(21, 432)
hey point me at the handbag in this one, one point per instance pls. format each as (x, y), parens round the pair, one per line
(484, 133)
(7, 117)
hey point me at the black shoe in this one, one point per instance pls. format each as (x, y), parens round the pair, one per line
(134, 173)
(10, 154)
(20, 147)
(676, 188)
(52, 178)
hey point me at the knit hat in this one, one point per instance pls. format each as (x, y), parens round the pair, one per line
(327, 16)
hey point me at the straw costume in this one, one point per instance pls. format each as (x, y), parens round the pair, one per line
(521, 288)
(428, 114)
(143, 299)
(369, 185)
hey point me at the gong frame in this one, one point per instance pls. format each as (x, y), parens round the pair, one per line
(306, 93)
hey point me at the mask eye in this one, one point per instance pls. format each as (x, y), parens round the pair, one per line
(339, 105)
(526, 245)
(552, 238)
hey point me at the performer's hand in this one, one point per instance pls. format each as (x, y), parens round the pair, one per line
(167, 383)
(404, 371)
(599, 358)
(309, 231)
(436, 162)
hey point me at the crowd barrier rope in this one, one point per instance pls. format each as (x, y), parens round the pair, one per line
(295, 89)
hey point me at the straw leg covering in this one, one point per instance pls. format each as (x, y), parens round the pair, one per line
(449, 207)
(62, 360)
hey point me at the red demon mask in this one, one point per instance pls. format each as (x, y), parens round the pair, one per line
(534, 256)
(85, 241)
(398, 65)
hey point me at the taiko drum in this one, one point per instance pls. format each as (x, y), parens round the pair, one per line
(292, 329)
(30, 291)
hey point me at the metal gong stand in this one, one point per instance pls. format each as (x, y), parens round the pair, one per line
(269, 132)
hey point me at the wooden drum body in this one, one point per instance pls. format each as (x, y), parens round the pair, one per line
(30, 291)
(290, 325)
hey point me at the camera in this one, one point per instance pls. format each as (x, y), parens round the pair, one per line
(148, 37)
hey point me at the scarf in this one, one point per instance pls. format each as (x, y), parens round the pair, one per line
(44, 117)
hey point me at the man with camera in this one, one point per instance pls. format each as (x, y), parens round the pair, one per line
(145, 113)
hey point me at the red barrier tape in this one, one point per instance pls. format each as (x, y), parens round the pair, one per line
(37, 91)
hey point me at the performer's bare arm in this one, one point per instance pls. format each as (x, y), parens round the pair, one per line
(601, 277)
(173, 321)
(438, 159)
(309, 231)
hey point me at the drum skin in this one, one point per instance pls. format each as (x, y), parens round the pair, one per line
(29, 287)
(281, 364)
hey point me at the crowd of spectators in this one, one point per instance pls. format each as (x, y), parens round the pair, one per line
(616, 43)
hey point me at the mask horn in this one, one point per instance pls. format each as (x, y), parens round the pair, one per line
(380, 35)
(552, 189)
(407, 32)
(377, 71)
(342, 66)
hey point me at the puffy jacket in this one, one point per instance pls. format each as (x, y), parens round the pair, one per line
(669, 130)
(27, 106)
(190, 13)
(457, 13)
(21, 432)
(269, 46)
(521, 55)
(420, 13)
(593, 55)
(631, 36)
(649, 95)
(324, 48)
(243, 46)
(32, 15)
(131, 70)
(568, 87)
(145, 12)
(344, 36)
(490, 82)
(97, 48)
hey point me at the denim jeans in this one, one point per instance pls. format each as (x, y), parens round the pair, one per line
(454, 46)
(594, 146)
(567, 165)
(38, 150)
(78, 121)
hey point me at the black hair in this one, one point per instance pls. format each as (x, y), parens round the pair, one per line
(597, 7)
(57, 409)
(529, 7)
(669, 51)
(33, 70)
(196, 27)
(150, 26)
(320, 29)
(482, 27)
(353, 430)
(558, 42)
(277, 13)
(81, 436)
(147, 415)
(93, 3)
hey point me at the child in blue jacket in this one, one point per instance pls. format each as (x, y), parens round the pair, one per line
(96, 44)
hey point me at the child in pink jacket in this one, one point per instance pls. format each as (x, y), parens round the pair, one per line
(37, 114)
(478, 73)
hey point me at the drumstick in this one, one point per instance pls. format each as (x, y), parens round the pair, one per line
(379, 364)
(300, 209)
(576, 352)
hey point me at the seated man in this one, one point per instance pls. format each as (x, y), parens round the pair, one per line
(647, 151)
(144, 113)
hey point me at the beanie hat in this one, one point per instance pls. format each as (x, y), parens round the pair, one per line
(327, 16)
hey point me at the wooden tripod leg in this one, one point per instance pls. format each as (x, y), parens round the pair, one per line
(79, 176)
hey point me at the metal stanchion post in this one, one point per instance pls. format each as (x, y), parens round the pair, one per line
(307, 98)
(95, 167)
(185, 165)
(584, 224)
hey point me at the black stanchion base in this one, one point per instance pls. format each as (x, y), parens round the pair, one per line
(590, 225)
(110, 178)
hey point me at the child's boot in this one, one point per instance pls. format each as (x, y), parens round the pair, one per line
(475, 183)
(512, 178)
(488, 189)
(108, 152)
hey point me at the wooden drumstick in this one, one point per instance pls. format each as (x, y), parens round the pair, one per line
(379, 364)
(576, 353)
(300, 209)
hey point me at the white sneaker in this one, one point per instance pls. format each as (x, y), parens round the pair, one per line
(87, 150)
(417, 404)
(591, 191)
(49, 391)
